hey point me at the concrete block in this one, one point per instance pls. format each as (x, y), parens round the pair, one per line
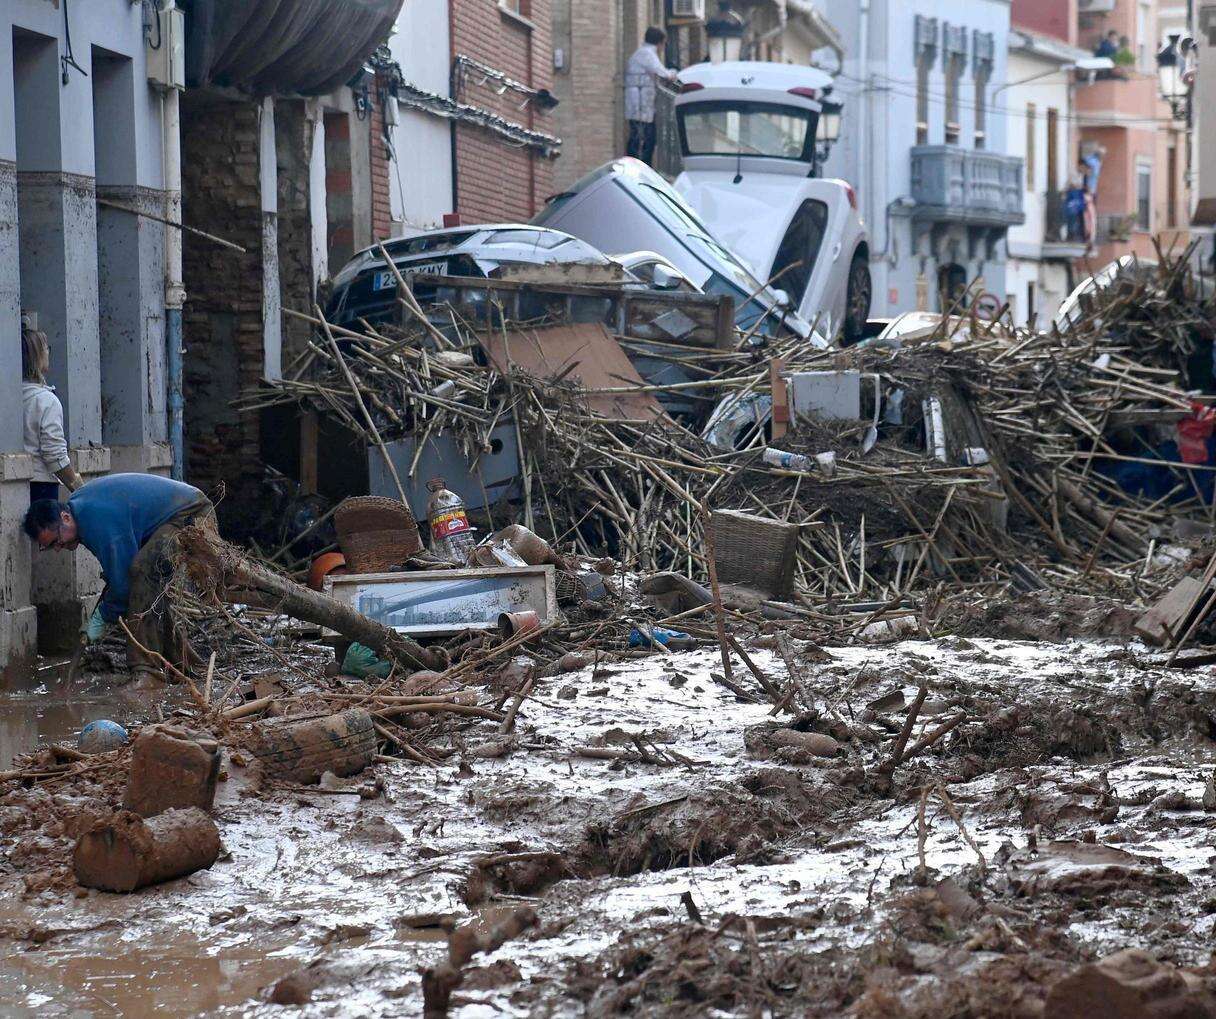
(132, 317)
(153, 458)
(10, 310)
(91, 461)
(16, 467)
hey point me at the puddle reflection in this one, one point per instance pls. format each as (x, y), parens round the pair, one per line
(28, 720)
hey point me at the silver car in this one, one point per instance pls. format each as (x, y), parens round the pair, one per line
(626, 205)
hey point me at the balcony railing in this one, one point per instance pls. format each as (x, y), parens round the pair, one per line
(967, 185)
(1058, 228)
(1115, 227)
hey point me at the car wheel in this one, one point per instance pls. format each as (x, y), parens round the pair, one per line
(857, 303)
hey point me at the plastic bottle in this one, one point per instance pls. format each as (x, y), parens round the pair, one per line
(451, 536)
(788, 461)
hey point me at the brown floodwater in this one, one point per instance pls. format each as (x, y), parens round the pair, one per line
(32, 719)
(174, 974)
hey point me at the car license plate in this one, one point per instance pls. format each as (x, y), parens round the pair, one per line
(387, 281)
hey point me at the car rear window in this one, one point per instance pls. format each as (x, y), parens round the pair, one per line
(423, 243)
(540, 238)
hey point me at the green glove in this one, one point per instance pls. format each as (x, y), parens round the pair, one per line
(97, 626)
(361, 661)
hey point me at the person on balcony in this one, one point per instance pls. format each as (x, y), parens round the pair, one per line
(642, 73)
(1108, 45)
(1074, 208)
(1090, 166)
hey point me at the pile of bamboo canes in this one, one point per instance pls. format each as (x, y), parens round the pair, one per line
(1049, 409)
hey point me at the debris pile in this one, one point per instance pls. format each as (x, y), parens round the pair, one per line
(987, 456)
(712, 626)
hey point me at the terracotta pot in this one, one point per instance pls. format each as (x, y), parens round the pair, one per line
(512, 624)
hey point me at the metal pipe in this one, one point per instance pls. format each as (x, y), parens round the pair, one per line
(175, 290)
(864, 160)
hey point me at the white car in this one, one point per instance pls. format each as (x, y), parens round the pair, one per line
(366, 288)
(748, 142)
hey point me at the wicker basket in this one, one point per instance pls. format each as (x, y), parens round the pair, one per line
(371, 513)
(754, 551)
(570, 589)
(375, 533)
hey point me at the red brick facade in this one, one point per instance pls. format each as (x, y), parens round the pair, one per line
(498, 181)
(382, 217)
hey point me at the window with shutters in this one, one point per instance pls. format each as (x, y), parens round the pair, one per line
(1031, 127)
(925, 41)
(1144, 194)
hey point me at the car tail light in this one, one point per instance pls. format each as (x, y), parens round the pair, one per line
(848, 190)
(690, 86)
(806, 93)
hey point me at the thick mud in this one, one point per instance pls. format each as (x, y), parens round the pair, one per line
(686, 854)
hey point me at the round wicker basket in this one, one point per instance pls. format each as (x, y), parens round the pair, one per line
(375, 533)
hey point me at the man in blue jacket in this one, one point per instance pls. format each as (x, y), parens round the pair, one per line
(130, 523)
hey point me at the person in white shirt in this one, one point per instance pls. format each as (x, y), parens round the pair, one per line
(44, 438)
(644, 68)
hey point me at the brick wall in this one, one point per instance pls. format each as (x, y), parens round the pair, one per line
(222, 320)
(497, 180)
(1047, 17)
(382, 217)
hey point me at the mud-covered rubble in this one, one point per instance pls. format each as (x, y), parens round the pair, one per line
(700, 865)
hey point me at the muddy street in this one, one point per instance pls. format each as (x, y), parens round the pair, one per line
(684, 852)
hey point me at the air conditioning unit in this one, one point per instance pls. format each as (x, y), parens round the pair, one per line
(690, 10)
(1095, 6)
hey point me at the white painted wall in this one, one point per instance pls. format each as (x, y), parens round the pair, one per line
(268, 185)
(420, 175)
(319, 220)
(1051, 92)
(879, 165)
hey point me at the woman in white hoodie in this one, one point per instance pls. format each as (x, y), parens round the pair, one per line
(44, 438)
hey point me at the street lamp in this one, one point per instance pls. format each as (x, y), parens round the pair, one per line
(829, 127)
(1173, 75)
(724, 33)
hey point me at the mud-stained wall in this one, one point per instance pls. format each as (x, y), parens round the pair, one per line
(222, 321)
(293, 143)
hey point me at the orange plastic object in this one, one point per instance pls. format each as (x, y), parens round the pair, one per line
(323, 566)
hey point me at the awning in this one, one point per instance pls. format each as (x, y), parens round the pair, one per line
(816, 25)
(306, 47)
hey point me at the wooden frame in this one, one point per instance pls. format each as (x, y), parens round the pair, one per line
(504, 589)
(628, 313)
